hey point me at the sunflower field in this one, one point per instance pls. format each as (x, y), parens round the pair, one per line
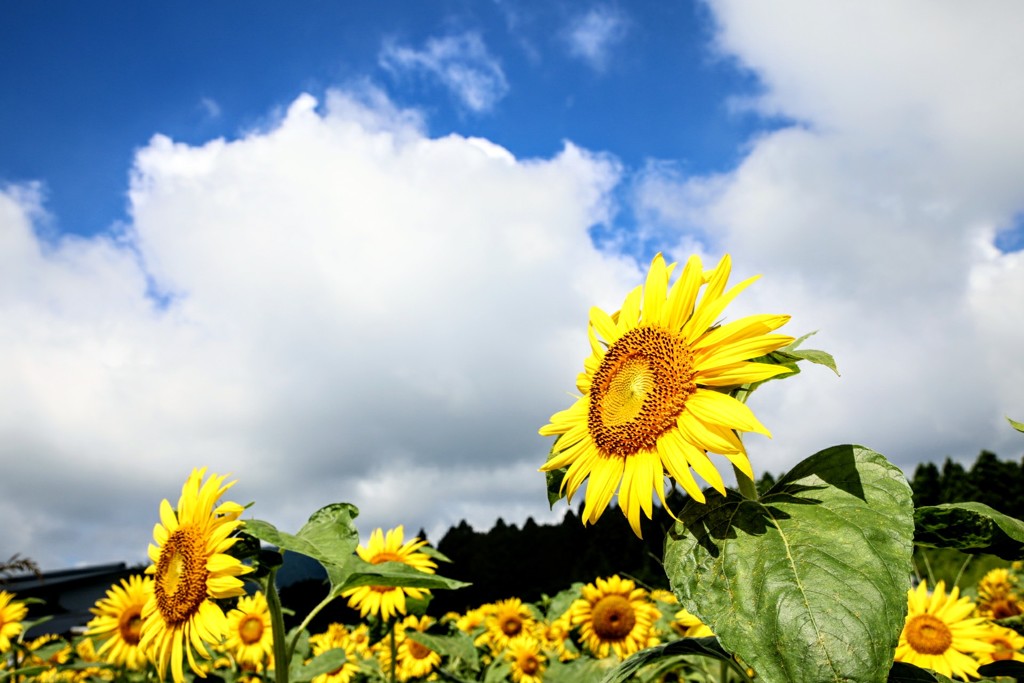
(813, 579)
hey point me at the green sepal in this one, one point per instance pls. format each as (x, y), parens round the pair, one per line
(705, 647)
(1019, 426)
(808, 583)
(554, 481)
(970, 527)
(434, 554)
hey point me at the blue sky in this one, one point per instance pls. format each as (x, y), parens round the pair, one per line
(95, 82)
(347, 254)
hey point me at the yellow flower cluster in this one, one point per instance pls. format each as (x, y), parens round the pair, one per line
(954, 635)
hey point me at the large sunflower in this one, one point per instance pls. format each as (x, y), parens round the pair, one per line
(614, 616)
(940, 634)
(655, 391)
(12, 613)
(249, 635)
(191, 569)
(389, 601)
(118, 622)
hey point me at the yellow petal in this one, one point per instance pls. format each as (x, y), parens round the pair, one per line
(716, 408)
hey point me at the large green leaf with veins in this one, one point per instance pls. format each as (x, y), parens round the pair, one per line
(810, 582)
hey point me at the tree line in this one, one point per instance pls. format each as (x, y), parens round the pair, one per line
(537, 559)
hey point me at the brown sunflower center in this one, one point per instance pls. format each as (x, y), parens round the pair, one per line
(928, 635)
(129, 624)
(181, 574)
(528, 662)
(639, 390)
(613, 618)
(510, 624)
(1004, 649)
(250, 630)
(418, 650)
(1003, 608)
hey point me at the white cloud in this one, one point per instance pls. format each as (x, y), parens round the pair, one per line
(356, 312)
(461, 63)
(873, 220)
(593, 35)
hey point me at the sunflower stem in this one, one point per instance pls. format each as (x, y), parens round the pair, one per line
(745, 484)
(394, 651)
(281, 661)
(305, 622)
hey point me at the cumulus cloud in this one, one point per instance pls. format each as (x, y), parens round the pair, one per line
(461, 63)
(593, 35)
(873, 218)
(347, 310)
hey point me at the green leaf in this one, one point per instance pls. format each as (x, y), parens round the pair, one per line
(1019, 426)
(560, 604)
(810, 582)
(323, 663)
(1006, 667)
(330, 536)
(458, 646)
(902, 672)
(971, 528)
(582, 670)
(707, 647)
(362, 573)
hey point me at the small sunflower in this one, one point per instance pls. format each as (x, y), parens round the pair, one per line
(414, 659)
(509, 619)
(249, 635)
(689, 626)
(655, 392)
(940, 634)
(553, 637)
(528, 663)
(1007, 643)
(389, 601)
(614, 616)
(190, 570)
(118, 622)
(12, 613)
(999, 595)
(336, 636)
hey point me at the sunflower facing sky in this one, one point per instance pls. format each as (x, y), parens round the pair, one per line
(191, 569)
(12, 612)
(118, 622)
(389, 601)
(614, 615)
(940, 634)
(655, 391)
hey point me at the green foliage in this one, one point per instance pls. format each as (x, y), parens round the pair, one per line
(705, 647)
(329, 537)
(970, 527)
(809, 583)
